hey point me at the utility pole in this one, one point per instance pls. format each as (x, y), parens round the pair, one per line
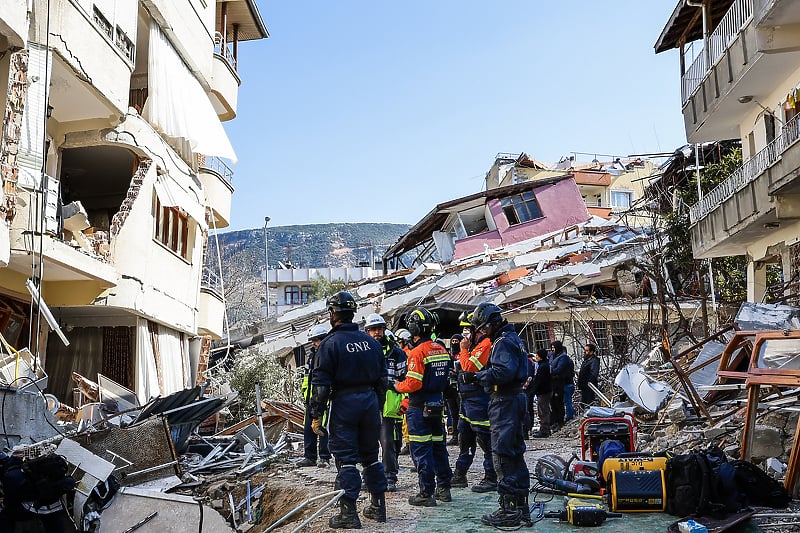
(266, 266)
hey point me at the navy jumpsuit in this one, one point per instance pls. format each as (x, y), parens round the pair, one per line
(351, 363)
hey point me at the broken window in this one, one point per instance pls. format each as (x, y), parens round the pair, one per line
(521, 208)
(172, 229)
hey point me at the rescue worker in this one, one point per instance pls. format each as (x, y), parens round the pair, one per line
(504, 377)
(404, 340)
(310, 439)
(426, 380)
(541, 388)
(474, 420)
(391, 425)
(451, 398)
(351, 373)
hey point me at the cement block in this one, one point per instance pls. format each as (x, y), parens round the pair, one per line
(767, 442)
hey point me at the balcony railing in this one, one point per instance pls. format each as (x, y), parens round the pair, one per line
(719, 41)
(221, 48)
(216, 165)
(748, 172)
(211, 281)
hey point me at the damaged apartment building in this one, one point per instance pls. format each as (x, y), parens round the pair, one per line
(114, 171)
(534, 244)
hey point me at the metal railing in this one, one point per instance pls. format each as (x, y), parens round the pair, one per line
(216, 165)
(748, 172)
(224, 49)
(725, 33)
(210, 280)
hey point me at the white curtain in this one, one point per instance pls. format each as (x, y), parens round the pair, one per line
(174, 358)
(176, 103)
(146, 371)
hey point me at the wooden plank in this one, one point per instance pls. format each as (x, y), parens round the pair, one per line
(793, 468)
(749, 422)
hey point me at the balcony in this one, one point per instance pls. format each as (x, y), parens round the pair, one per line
(15, 24)
(211, 306)
(740, 58)
(217, 178)
(758, 195)
(225, 81)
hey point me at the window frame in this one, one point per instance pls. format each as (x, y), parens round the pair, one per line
(291, 294)
(521, 208)
(172, 230)
(614, 205)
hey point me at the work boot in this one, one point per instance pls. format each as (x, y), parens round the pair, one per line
(323, 463)
(525, 510)
(486, 485)
(459, 480)
(376, 510)
(306, 462)
(508, 515)
(540, 434)
(422, 500)
(443, 494)
(347, 517)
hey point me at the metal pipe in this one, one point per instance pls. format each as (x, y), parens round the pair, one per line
(336, 494)
(260, 417)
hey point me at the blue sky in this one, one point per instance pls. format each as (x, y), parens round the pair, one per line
(375, 111)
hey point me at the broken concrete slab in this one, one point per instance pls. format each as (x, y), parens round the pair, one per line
(176, 513)
(767, 442)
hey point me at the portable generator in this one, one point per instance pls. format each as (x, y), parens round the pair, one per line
(637, 491)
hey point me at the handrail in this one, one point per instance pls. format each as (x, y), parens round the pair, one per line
(216, 165)
(211, 280)
(748, 172)
(720, 39)
(224, 49)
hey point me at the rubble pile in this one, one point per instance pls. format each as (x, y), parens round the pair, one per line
(132, 465)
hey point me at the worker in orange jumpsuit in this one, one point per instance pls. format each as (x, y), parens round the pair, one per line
(426, 379)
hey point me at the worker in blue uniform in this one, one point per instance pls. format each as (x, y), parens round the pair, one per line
(350, 372)
(425, 382)
(504, 377)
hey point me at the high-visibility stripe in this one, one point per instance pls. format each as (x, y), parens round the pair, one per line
(475, 361)
(475, 422)
(420, 438)
(437, 438)
(414, 375)
(436, 358)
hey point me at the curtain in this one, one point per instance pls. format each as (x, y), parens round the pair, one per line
(174, 359)
(176, 103)
(146, 371)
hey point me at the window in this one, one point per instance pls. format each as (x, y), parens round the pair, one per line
(621, 199)
(291, 295)
(521, 208)
(306, 294)
(172, 229)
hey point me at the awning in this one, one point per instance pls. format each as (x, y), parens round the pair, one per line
(176, 103)
(172, 194)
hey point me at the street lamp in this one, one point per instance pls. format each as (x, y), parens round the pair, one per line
(266, 265)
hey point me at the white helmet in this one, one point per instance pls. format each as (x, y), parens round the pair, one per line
(317, 332)
(374, 320)
(403, 334)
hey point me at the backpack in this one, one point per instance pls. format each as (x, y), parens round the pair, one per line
(46, 479)
(756, 487)
(692, 484)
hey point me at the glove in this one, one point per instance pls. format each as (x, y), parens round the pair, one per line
(468, 378)
(318, 428)
(403, 407)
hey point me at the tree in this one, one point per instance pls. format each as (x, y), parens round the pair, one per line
(322, 288)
